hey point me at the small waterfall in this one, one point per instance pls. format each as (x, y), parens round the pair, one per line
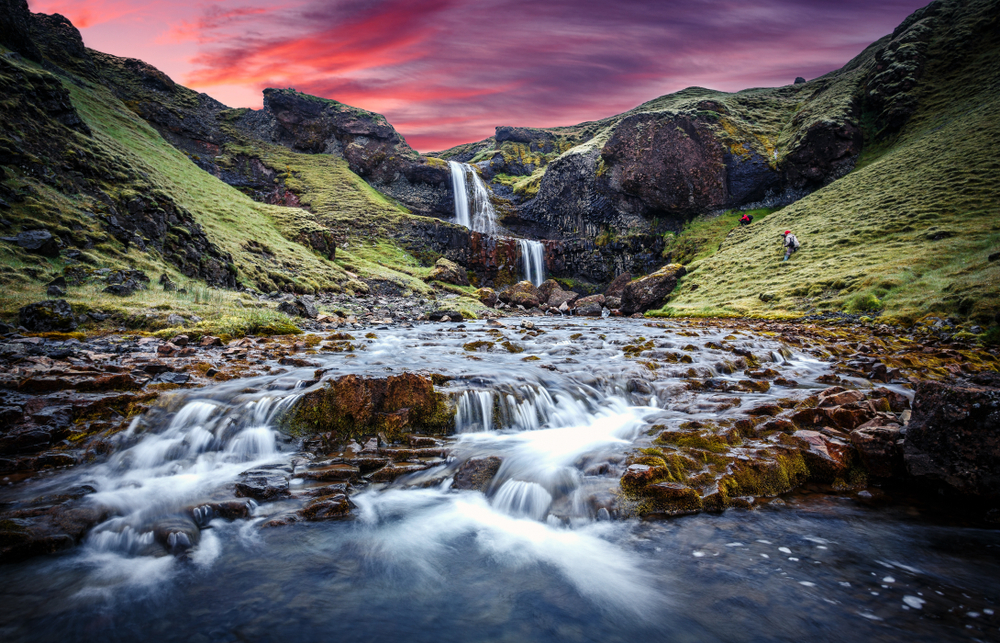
(522, 499)
(478, 214)
(532, 260)
(475, 412)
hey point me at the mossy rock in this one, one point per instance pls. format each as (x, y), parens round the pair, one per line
(353, 406)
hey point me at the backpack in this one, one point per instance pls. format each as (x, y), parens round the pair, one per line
(795, 242)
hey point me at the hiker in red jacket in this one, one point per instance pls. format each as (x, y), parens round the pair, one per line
(791, 244)
(746, 219)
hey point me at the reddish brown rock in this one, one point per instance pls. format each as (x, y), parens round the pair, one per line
(877, 445)
(477, 473)
(448, 272)
(828, 458)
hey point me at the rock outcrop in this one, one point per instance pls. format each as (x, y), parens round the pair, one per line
(651, 291)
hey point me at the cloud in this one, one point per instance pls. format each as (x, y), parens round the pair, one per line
(448, 71)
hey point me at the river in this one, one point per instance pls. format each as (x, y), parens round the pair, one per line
(548, 553)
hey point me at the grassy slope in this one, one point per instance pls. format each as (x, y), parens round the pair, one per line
(913, 225)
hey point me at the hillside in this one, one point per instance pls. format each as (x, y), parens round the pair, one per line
(914, 229)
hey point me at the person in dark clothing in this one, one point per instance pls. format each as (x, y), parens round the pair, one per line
(746, 219)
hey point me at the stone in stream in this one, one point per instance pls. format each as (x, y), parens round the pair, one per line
(545, 291)
(177, 534)
(327, 507)
(228, 510)
(523, 293)
(352, 406)
(39, 530)
(563, 299)
(652, 290)
(617, 286)
(953, 437)
(590, 306)
(263, 484)
(878, 445)
(487, 297)
(477, 473)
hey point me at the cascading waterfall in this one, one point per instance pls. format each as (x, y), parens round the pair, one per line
(532, 260)
(477, 214)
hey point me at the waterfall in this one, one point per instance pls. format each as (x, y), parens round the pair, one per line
(478, 214)
(532, 260)
(462, 217)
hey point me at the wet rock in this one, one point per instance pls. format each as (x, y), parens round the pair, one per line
(328, 507)
(263, 484)
(331, 472)
(209, 341)
(673, 498)
(477, 473)
(522, 293)
(953, 437)
(839, 398)
(878, 447)
(828, 458)
(229, 510)
(448, 272)
(299, 308)
(396, 470)
(39, 531)
(563, 299)
(47, 316)
(651, 291)
(39, 242)
(353, 406)
(177, 534)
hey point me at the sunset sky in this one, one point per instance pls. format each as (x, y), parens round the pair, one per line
(449, 71)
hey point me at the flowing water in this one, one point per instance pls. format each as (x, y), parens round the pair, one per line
(474, 210)
(532, 260)
(543, 555)
(476, 213)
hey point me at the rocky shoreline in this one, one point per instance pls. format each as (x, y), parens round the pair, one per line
(64, 399)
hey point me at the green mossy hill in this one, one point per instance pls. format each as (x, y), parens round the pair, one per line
(914, 229)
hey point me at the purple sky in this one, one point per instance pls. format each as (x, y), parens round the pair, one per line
(448, 71)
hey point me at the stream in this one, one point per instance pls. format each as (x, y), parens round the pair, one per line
(547, 553)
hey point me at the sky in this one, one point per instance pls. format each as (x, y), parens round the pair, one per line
(446, 72)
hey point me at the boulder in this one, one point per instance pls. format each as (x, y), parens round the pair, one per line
(487, 297)
(47, 316)
(828, 458)
(591, 306)
(445, 315)
(477, 473)
(263, 484)
(522, 293)
(167, 283)
(449, 272)
(877, 444)
(617, 287)
(327, 507)
(298, 308)
(546, 289)
(39, 242)
(651, 291)
(353, 406)
(560, 298)
(953, 437)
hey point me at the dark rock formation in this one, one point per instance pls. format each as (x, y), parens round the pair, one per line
(522, 293)
(39, 242)
(47, 316)
(954, 437)
(15, 28)
(652, 290)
